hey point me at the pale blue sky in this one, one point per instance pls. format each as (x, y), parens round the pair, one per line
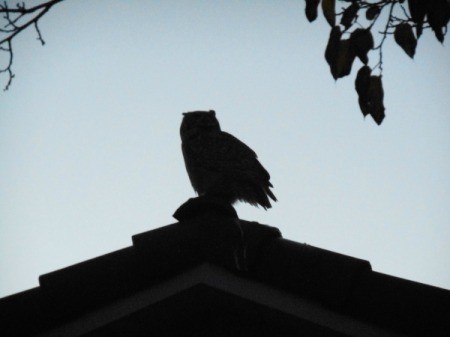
(90, 149)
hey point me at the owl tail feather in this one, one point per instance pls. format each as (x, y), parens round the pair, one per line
(270, 194)
(262, 198)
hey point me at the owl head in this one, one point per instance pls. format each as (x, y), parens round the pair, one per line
(198, 122)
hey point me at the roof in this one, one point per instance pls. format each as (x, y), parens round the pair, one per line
(214, 274)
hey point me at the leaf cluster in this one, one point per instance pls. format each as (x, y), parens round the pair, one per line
(351, 38)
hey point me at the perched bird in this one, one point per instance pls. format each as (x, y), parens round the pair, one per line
(219, 165)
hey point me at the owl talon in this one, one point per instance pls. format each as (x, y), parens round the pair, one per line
(202, 205)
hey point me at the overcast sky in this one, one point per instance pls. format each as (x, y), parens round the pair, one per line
(90, 149)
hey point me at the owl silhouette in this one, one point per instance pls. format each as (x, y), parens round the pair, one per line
(219, 165)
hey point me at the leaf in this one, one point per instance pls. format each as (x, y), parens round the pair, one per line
(405, 38)
(339, 54)
(417, 10)
(370, 94)
(349, 15)
(362, 80)
(362, 43)
(376, 96)
(346, 56)
(372, 12)
(362, 83)
(328, 9)
(311, 9)
(332, 50)
(438, 14)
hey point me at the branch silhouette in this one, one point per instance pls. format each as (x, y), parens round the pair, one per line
(357, 20)
(13, 22)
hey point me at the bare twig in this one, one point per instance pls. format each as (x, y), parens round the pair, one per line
(20, 8)
(39, 33)
(10, 28)
(384, 35)
(8, 69)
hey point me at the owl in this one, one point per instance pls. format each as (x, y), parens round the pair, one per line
(219, 165)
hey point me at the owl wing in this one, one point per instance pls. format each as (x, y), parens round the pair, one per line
(224, 152)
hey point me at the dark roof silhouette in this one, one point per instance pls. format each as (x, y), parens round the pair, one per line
(184, 279)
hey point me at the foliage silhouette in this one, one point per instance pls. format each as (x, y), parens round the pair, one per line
(358, 18)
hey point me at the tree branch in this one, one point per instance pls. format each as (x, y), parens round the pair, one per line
(384, 33)
(11, 28)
